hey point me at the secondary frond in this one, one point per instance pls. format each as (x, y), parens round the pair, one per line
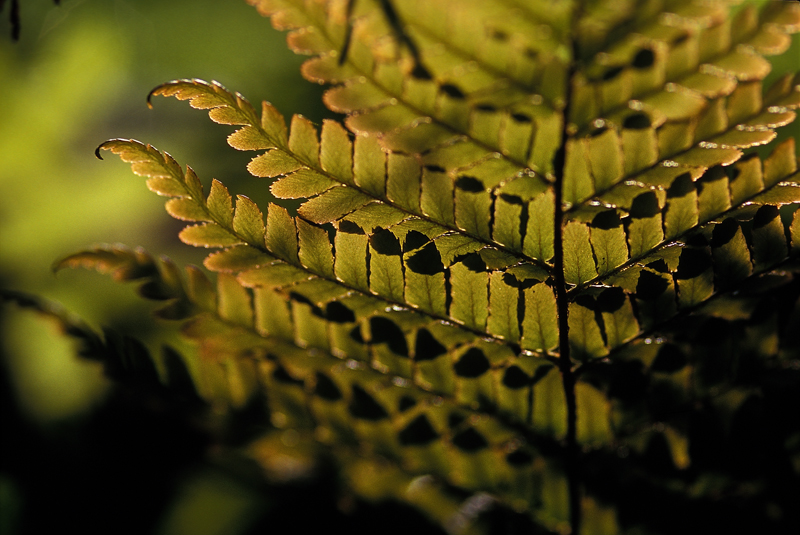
(359, 407)
(411, 272)
(339, 177)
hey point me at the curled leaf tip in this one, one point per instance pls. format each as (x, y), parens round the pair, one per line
(150, 96)
(104, 146)
(153, 92)
(60, 264)
(56, 267)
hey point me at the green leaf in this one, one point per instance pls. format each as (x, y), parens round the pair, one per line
(713, 197)
(224, 107)
(436, 199)
(386, 269)
(248, 221)
(369, 166)
(585, 337)
(273, 163)
(732, 262)
(538, 241)
(639, 143)
(748, 180)
(273, 124)
(272, 314)
(619, 322)
(782, 193)
(645, 226)
(604, 152)
(276, 275)
(166, 186)
(187, 209)
(200, 290)
(332, 204)
(781, 163)
(220, 204)
(426, 292)
(769, 239)
(234, 302)
(302, 184)
(503, 299)
(208, 235)
(281, 234)
(579, 266)
(470, 303)
(497, 259)
(471, 209)
(539, 326)
(248, 138)
(507, 215)
(402, 185)
(374, 215)
(608, 241)
(451, 246)
(336, 152)
(682, 208)
(303, 140)
(350, 263)
(236, 259)
(577, 178)
(315, 249)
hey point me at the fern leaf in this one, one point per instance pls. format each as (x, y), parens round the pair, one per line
(304, 171)
(408, 428)
(537, 212)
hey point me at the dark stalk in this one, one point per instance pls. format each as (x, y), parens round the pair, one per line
(568, 376)
(564, 360)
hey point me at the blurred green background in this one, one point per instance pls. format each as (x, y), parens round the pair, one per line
(78, 76)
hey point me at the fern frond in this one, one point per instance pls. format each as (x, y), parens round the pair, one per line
(605, 243)
(376, 265)
(371, 282)
(537, 211)
(362, 406)
(340, 177)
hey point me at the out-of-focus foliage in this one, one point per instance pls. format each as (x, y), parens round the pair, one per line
(77, 76)
(543, 276)
(56, 195)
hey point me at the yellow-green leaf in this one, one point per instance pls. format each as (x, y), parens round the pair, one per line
(208, 235)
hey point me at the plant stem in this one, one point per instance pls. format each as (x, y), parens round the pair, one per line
(564, 360)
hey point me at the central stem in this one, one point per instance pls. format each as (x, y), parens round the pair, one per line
(564, 360)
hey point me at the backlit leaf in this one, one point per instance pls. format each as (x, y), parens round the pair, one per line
(405, 323)
(248, 221)
(208, 235)
(332, 204)
(273, 163)
(315, 249)
(579, 265)
(302, 184)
